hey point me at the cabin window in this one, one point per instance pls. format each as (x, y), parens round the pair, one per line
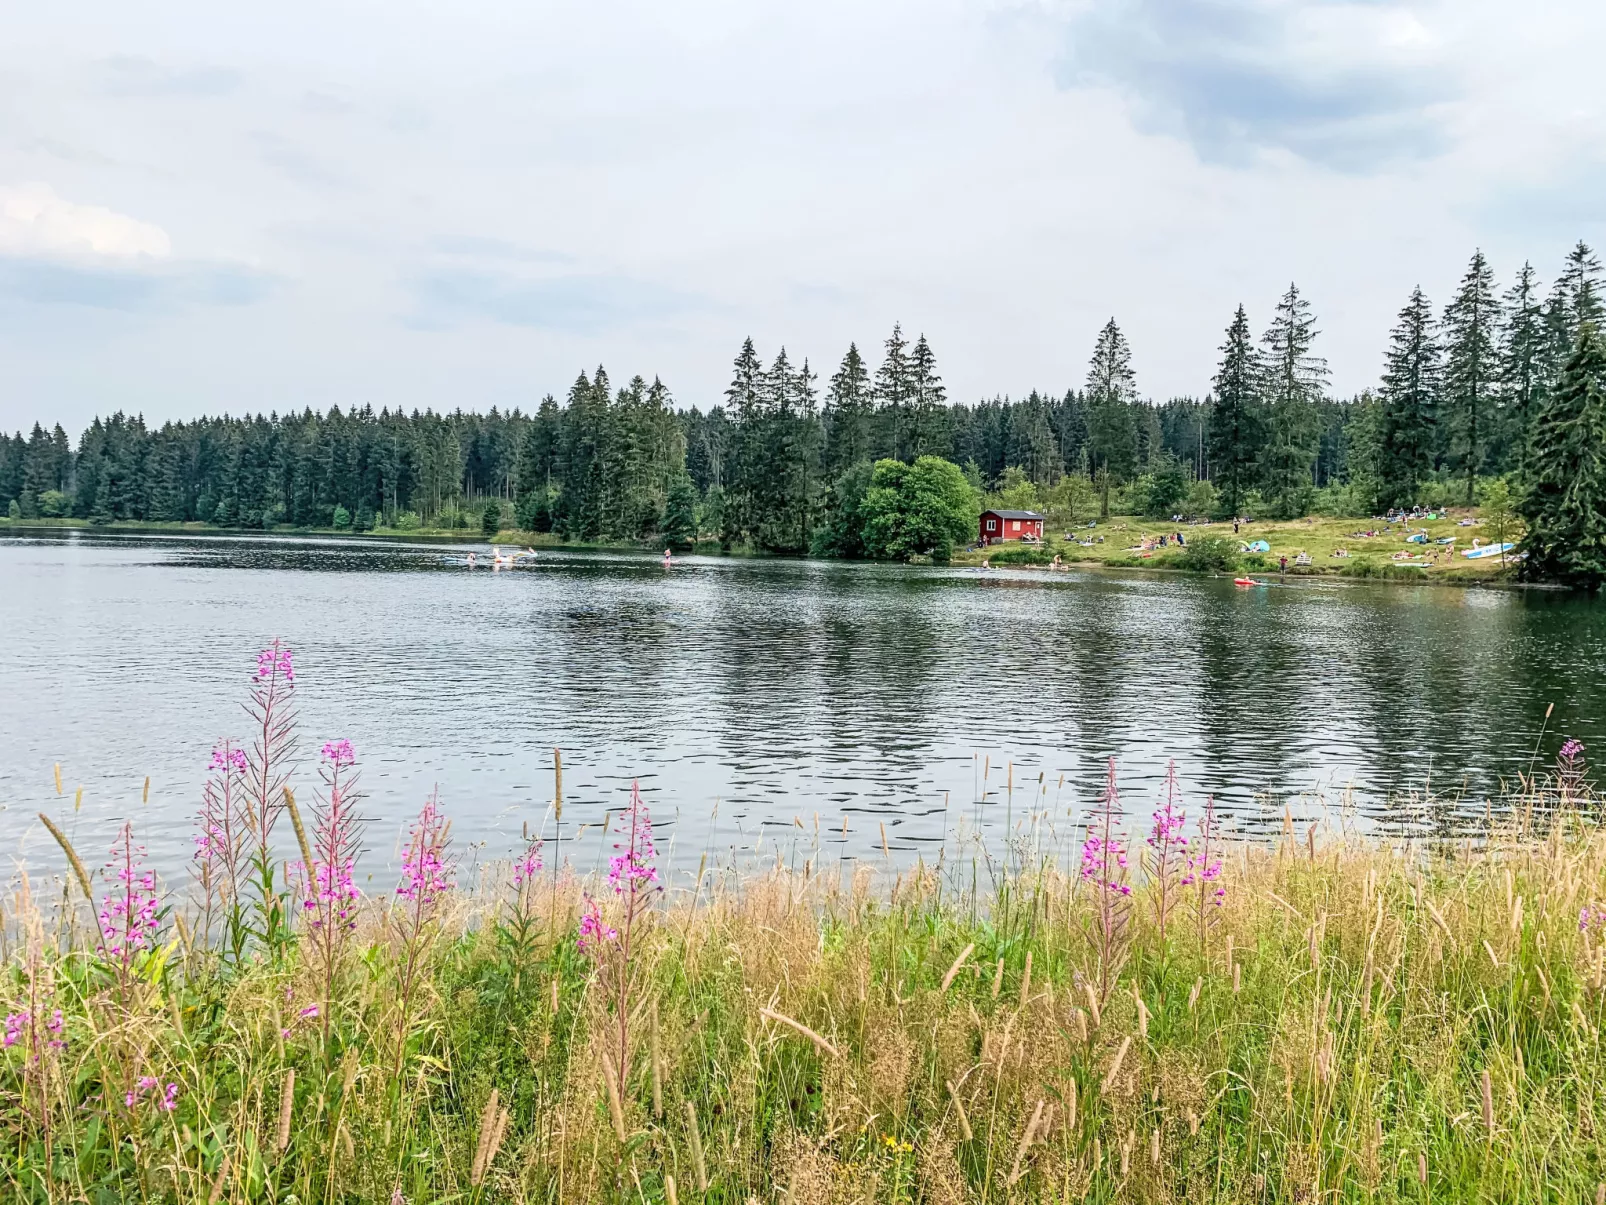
(992, 524)
(1017, 524)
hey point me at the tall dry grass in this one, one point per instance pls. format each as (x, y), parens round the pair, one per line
(1360, 1021)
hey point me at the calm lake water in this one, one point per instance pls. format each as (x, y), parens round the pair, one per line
(748, 694)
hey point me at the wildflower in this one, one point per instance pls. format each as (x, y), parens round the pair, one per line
(1588, 918)
(276, 661)
(15, 1022)
(634, 866)
(228, 759)
(1571, 749)
(1167, 828)
(128, 919)
(593, 929)
(309, 1012)
(1098, 855)
(339, 752)
(166, 1102)
(425, 873)
(528, 864)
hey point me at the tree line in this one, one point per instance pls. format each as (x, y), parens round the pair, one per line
(784, 461)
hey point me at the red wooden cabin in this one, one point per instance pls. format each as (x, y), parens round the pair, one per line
(1000, 525)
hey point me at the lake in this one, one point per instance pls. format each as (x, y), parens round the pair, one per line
(750, 696)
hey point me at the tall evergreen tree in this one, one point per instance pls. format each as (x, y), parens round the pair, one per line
(1523, 361)
(1565, 503)
(1235, 416)
(1471, 369)
(1111, 394)
(892, 392)
(1411, 382)
(1293, 381)
(744, 485)
(927, 397)
(849, 410)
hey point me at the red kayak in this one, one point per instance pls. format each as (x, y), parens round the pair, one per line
(1246, 581)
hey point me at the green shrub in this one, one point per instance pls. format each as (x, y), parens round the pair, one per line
(1021, 554)
(1208, 554)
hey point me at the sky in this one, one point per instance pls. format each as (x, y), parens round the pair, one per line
(209, 208)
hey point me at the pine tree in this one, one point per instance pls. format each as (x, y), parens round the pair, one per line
(848, 413)
(1565, 503)
(1471, 369)
(927, 397)
(1523, 362)
(1580, 284)
(1111, 394)
(1235, 416)
(892, 396)
(744, 485)
(1293, 381)
(1411, 382)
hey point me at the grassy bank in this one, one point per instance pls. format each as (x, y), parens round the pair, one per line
(1168, 1015)
(1335, 547)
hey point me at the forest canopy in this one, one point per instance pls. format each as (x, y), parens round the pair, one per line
(786, 462)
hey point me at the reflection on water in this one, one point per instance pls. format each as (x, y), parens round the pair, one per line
(746, 693)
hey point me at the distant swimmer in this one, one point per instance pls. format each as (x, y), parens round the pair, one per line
(471, 560)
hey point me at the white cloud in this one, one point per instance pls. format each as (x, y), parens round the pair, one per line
(34, 221)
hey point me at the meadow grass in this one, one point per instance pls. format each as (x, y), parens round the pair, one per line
(1316, 535)
(1354, 1020)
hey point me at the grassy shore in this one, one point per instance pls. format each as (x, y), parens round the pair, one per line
(1176, 1016)
(1336, 547)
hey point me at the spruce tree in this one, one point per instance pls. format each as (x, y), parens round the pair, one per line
(892, 396)
(848, 413)
(1111, 394)
(1523, 361)
(1235, 416)
(1565, 502)
(1471, 369)
(1411, 381)
(1292, 382)
(744, 471)
(927, 397)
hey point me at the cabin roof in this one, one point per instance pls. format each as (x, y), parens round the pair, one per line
(1013, 514)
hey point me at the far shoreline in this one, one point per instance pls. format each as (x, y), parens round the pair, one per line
(1469, 576)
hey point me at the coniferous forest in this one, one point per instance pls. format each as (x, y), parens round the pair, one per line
(1496, 385)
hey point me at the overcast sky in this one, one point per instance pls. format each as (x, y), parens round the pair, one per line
(204, 208)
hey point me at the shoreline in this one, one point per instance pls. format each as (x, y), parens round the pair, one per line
(1452, 574)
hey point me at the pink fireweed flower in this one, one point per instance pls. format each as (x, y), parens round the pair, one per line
(1571, 749)
(1200, 871)
(1588, 918)
(228, 759)
(528, 864)
(1167, 828)
(594, 931)
(276, 662)
(633, 866)
(1097, 859)
(128, 915)
(15, 1024)
(166, 1102)
(339, 753)
(425, 871)
(310, 1011)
